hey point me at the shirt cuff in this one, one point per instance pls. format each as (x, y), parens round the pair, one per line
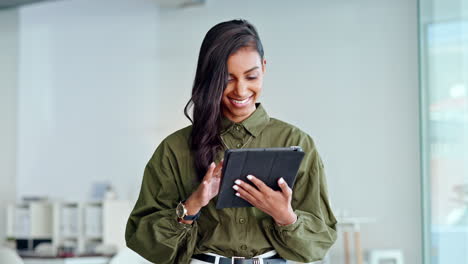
(289, 227)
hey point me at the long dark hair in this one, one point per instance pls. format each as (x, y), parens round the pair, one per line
(211, 79)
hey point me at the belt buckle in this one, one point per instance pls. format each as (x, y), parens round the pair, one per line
(233, 259)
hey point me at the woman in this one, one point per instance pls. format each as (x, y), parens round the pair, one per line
(175, 219)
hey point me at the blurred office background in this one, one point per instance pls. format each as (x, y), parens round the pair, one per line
(88, 89)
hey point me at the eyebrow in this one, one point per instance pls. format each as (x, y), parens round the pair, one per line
(254, 68)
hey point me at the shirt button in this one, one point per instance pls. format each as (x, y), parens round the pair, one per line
(237, 128)
(242, 220)
(243, 247)
(239, 145)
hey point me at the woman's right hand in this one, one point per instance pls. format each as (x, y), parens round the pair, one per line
(206, 191)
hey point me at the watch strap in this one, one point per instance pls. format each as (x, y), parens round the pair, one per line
(190, 217)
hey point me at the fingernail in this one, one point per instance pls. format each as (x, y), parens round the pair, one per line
(212, 164)
(238, 182)
(281, 180)
(250, 177)
(237, 194)
(205, 182)
(235, 187)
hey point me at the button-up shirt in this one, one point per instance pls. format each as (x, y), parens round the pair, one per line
(153, 229)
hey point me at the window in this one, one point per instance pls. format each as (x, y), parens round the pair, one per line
(444, 122)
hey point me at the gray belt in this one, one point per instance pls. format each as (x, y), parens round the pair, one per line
(276, 259)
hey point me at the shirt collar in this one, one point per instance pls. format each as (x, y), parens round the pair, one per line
(254, 124)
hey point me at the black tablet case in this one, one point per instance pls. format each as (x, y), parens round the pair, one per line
(267, 164)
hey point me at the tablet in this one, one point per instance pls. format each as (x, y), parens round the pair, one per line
(267, 164)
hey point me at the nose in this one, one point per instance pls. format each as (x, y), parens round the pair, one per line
(241, 90)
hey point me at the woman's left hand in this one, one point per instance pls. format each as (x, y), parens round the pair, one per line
(275, 203)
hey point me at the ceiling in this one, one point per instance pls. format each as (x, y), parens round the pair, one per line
(163, 3)
(13, 3)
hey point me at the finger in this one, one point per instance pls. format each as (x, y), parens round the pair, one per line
(245, 195)
(249, 188)
(218, 169)
(259, 183)
(284, 187)
(209, 173)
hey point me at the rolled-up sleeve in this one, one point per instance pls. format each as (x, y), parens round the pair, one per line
(152, 229)
(314, 232)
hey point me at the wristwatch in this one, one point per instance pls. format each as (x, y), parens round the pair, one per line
(181, 212)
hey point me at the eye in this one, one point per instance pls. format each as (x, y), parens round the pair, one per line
(231, 78)
(251, 77)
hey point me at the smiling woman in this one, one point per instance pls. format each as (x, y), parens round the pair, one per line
(245, 82)
(229, 52)
(175, 219)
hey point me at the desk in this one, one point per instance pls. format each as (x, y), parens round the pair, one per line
(76, 260)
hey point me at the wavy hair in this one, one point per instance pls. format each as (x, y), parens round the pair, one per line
(211, 79)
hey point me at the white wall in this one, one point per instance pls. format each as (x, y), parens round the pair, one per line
(87, 110)
(345, 72)
(8, 105)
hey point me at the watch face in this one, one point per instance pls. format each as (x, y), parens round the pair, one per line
(180, 210)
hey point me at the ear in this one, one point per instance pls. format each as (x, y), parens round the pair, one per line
(264, 66)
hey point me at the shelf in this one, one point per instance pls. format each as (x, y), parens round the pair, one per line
(84, 223)
(70, 237)
(32, 238)
(93, 238)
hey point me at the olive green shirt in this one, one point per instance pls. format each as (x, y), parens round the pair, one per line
(169, 177)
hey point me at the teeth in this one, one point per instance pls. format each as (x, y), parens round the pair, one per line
(240, 102)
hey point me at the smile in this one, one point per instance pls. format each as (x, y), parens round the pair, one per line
(240, 102)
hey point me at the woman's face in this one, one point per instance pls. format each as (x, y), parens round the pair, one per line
(245, 81)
